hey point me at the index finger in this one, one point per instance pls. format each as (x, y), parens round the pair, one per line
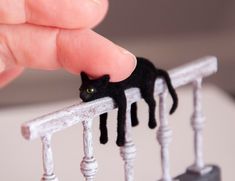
(59, 13)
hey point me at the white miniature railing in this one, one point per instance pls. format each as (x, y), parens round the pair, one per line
(45, 126)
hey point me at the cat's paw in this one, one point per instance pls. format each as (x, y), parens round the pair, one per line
(134, 122)
(152, 124)
(103, 139)
(120, 142)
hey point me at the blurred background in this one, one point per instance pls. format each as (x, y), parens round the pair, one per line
(170, 33)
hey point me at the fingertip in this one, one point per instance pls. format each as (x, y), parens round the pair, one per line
(74, 14)
(102, 12)
(12, 12)
(71, 14)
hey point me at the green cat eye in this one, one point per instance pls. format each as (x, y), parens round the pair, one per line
(90, 90)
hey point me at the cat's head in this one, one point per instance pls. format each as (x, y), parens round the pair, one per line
(93, 88)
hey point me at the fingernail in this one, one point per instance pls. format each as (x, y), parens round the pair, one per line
(2, 66)
(96, 1)
(133, 57)
(125, 52)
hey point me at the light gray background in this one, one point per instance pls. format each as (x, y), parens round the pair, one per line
(166, 17)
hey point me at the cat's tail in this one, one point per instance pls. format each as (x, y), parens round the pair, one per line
(171, 89)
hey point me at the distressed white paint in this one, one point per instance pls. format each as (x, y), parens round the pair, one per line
(164, 136)
(198, 122)
(48, 164)
(128, 151)
(89, 164)
(85, 112)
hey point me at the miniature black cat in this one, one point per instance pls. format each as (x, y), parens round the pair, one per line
(143, 77)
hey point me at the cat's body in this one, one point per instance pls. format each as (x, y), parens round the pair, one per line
(143, 77)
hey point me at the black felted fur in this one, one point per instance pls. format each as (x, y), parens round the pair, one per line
(143, 77)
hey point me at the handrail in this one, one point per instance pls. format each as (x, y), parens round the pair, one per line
(45, 126)
(72, 115)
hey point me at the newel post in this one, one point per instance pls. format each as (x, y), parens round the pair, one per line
(164, 136)
(47, 156)
(197, 123)
(89, 164)
(128, 151)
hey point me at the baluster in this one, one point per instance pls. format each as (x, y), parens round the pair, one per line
(48, 164)
(128, 151)
(89, 164)
(164, 136)
(197, 123)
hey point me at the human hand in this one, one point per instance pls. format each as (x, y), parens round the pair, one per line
(48, 35)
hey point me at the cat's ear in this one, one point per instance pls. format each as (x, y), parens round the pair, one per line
(105, 79)
(84, 77)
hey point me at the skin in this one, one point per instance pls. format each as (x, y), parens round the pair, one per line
(50, 35)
